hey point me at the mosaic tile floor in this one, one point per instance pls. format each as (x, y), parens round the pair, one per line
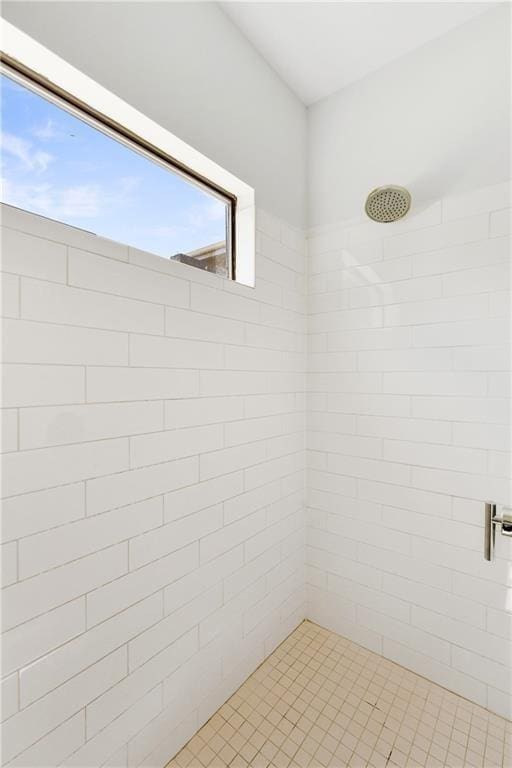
(321, 701)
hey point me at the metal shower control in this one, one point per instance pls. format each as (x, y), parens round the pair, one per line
(491, 521)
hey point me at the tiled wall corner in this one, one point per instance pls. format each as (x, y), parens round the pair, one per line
(153, 437)
(408, 435)
(153, 525)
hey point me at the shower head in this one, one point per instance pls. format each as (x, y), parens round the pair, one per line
(386, 204)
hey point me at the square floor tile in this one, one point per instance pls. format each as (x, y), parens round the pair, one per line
(321, 701)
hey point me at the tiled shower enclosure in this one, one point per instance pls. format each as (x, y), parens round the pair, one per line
(244, 526)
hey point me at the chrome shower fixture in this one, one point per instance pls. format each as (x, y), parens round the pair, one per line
(386, 204)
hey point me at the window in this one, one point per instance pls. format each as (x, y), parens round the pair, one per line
(61, 165)
(74, 152)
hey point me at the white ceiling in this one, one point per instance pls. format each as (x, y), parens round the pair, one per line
(318, 48)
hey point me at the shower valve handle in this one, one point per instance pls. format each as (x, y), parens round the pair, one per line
(491, 521)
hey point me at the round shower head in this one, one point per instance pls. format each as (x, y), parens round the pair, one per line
(386, 204)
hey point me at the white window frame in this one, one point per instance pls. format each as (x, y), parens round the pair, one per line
(18, 49)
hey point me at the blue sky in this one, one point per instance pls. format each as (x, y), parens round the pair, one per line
(56, 165)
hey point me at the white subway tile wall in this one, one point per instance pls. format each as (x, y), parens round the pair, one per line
(153, 436)
(408, 435)
(153, 523)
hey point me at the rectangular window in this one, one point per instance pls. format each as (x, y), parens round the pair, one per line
(67, 163)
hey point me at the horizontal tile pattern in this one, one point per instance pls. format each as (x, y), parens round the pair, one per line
(408, 435)
(154, 435)
(146, 569)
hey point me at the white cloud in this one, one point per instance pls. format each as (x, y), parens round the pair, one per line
(32, 159)
(82, 201)
(56, 203)
(33, 197)
(204, 214)
(47, 131)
